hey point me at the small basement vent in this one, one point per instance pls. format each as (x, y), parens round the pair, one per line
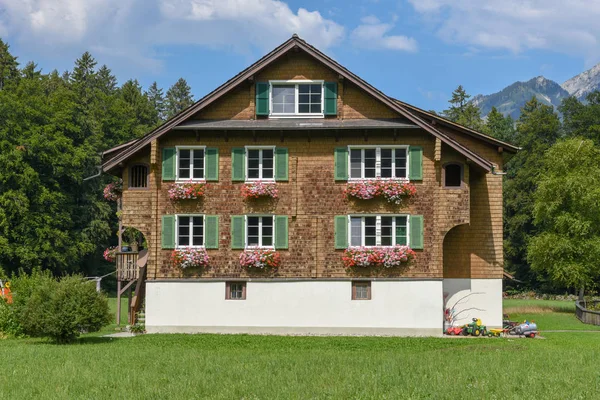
(138, 176)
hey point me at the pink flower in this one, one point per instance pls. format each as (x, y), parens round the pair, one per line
(186, 190)
(254, 190)
(113, 191)
(384, 256)
(189, 257)
(260, 258)
(393, 190)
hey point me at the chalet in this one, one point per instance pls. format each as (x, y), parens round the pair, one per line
(298, 199)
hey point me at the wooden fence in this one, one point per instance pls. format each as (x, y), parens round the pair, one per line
(127, 268)
(586, 315)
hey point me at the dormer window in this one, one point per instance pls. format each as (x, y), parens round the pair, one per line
(296, 98)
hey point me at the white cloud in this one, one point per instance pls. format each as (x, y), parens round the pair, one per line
(131, 29)
(373, 34)
(569, 27)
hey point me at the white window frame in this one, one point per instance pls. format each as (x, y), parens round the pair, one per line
(296, 114)
(260, 167)
(191, 226)
(377, 229)
(260, 246)
(377, 161)
(179, 179)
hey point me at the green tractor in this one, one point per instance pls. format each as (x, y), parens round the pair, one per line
(475, 328)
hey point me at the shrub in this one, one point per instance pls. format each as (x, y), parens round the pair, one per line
(63, 310)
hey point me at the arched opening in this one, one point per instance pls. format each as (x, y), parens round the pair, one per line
(453, 175)
(138, 176)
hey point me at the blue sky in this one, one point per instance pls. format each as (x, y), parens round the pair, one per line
(415, 50)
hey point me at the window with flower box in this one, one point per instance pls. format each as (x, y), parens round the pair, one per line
(259, 163)
(190, 231)
(351, 231)
(378, 230)
(378, 162)
(259, 231)
(235, 290)
(190, 163)
(252, 231)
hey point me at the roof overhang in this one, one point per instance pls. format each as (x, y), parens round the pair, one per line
(293, 124)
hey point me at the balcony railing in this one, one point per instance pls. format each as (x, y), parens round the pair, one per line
(127, 266)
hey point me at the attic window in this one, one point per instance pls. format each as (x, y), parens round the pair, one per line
(138, 176)
(296, 98)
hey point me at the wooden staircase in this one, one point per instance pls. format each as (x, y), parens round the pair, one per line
(131, 269)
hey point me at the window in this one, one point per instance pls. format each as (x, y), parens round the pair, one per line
(259, 231)
(235, 290)
(303, 98)
(138, 176)
(259, 164)
(361, 290)
(190, 163)
(378, 230)
(190, 231)
(453, 175)
(378, 162)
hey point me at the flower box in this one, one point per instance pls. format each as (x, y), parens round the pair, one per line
(393, 190)
(189, 257)
(260, 258)
(258, 189)
(114, 190)
(110, 254)
(386, 257)
(186, 190)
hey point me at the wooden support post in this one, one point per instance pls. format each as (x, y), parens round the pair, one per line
(118, 302)
(129, 315)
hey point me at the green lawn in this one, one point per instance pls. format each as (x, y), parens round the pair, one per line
(564, 365)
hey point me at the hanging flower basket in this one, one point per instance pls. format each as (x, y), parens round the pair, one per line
(186, 190)
(386, 257)
(189, 258)
(113, 191)
(393, 190)
(260, 259)
(110, 254)
(258, 189)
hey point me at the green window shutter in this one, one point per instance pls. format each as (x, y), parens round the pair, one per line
(238, 232)
(281, 164)
(168, 164)
(341, 231)
(281, 232)
(341, 163)
(212, 164)
(238, 164)
(262, 98)
(415, 159)
(211, 231)
(330, 98)
(168, 232)
(416, 232)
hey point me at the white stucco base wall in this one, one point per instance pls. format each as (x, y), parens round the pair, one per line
(475, 298)
(399, 308)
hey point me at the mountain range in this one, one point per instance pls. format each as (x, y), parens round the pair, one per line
(510, 99)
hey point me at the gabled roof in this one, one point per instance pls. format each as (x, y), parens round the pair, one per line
(296, 42)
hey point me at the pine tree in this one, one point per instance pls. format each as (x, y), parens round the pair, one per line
(499, 126)
(106, 80)
(179, 97)
(30, 71)
(157, 100)
(9, 67)
(462, 112)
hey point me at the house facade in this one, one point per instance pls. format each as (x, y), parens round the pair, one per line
(298, 122)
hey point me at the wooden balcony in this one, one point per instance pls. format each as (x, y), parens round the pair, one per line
(127, 266)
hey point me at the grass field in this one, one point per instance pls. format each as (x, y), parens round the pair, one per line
(564, 365)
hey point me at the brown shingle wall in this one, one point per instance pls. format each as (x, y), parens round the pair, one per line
(312, 198)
